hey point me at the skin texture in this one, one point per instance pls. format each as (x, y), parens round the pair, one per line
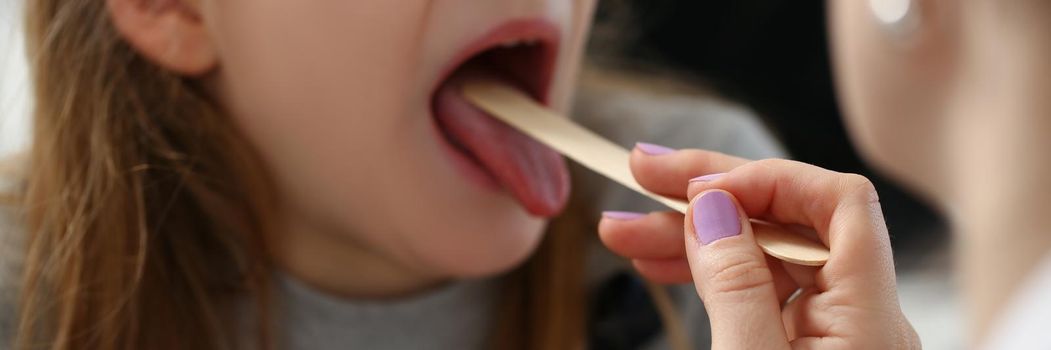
(336, 98)
(957, 109)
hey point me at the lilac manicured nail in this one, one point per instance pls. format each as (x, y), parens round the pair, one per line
(652, 149)
(622, 215)
(706, 178)
(715, 217)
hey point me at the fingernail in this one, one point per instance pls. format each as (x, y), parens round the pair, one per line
(652, 149)
(622, 215)
(715, 217)
(706, 178)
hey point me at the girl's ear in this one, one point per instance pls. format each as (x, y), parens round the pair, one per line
(171, 33)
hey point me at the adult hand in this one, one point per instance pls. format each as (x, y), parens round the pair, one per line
(850, 302)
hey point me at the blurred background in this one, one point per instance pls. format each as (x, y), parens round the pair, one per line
(769, 55)
(14, 93)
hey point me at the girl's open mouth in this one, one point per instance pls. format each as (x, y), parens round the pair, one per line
(521, 53)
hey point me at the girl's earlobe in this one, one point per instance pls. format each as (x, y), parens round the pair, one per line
(170, 33)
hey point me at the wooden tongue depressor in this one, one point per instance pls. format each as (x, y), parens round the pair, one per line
(591, 150)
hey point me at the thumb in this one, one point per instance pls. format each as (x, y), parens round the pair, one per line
(731, 275)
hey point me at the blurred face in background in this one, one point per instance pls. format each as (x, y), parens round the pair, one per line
(952, 99)
(932, 88)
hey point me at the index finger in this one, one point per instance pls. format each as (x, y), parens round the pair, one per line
(667, 173)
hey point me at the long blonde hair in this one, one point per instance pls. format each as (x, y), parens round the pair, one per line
(145, 210)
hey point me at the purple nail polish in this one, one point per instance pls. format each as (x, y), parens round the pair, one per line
(652, 149)
(622, 215)
(715, 217)
(706, 178)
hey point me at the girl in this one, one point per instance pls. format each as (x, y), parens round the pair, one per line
(206, 174)
(185, 150)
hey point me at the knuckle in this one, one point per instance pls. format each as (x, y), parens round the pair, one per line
(860, 197)
(778, 167)
(699, 158)
(858, 185)
(770, 163)
(738, 275)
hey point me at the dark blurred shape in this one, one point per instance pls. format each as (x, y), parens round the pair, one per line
(622, 315)
(771, 55)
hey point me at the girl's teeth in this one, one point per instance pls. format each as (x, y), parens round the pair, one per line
(519, 42)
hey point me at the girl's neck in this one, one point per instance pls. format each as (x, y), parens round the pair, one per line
(338, 265)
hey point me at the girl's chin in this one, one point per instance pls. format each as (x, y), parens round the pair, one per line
(481, 259)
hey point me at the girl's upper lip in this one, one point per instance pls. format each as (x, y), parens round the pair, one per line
(545, 33)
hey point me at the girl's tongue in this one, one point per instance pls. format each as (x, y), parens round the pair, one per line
(535, 174)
